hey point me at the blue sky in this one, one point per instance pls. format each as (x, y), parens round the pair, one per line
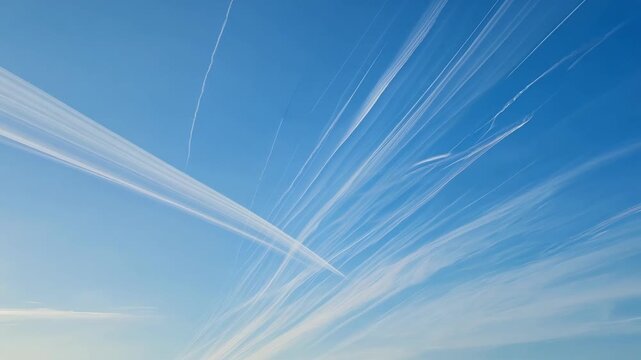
(471, 170)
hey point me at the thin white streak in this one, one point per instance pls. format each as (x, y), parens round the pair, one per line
(522, 91)
(597, 43)
(204, 83)
(432, 159)
(269, 156)
(54, 314)
(349, 56)
(548, 35)
(325, 135)
(416, 38)
(399, 62)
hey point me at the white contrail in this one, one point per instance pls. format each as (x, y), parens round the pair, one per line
(326, 133)
(474, 154)
(204, 83)
(401, 133)
(37, 121)
(395, 233)
(596, 44)
(374, 282)
(432, 158)
(392, 141)
(492, 121)
(545, 38)
(269, 156)
(349, 56)
(17, 314)
(548, 71)
(410, 45)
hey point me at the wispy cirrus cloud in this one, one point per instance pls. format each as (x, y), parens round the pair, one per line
(22, 314)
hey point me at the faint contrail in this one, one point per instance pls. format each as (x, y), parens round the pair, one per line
(326, 133)
(19, 314)
(492, 121)
(596, 44)
(408, 48)
(39, 122)
(432, 158)
(545, 38)
(269, 156)
(349, 56)
(202, 86)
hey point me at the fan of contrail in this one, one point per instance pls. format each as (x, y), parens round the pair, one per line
(41, 123)
(204, 83)
(433, 262)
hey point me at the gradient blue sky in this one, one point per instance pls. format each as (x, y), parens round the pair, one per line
(71, 242)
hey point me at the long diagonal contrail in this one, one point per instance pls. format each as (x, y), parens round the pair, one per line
(204, 83)
(595, 45)
(37, 121)
(546, 37)
(269, 157)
